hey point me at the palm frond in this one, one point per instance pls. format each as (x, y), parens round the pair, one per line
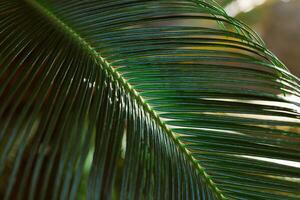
(142, 100)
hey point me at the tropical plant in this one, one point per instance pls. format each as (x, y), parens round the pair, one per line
(132, 99)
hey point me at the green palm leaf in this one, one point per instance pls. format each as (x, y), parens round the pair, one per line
(142, 100)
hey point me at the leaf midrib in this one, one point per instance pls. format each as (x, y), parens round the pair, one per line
(133, 93)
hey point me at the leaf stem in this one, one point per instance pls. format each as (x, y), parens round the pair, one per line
(106, 66)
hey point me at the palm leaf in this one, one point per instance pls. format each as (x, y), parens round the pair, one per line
(142, 100)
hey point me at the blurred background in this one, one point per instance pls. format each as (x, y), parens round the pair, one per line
(276, 21)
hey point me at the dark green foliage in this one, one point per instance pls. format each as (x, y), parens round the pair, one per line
(126, 99)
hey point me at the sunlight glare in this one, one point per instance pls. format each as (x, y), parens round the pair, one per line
(238, 6)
